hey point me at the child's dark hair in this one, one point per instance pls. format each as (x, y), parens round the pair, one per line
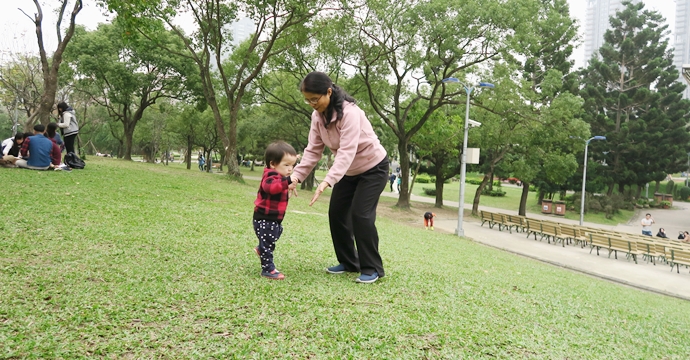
(18, 136)
(51, 130)
(276, 151)
(28, 135)
(319, 83)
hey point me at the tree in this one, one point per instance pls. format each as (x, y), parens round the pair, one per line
(50, 67)
(126, 73)
(405, 49)
(211, 44)
(632, 97)
(440, 141)
(545, 155)
(21, 85)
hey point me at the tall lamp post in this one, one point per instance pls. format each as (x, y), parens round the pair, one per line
(584, 178)
(463, 158)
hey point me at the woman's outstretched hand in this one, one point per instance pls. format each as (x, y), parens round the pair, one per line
(322, 186)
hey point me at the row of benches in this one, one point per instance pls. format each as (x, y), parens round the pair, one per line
(650, 248)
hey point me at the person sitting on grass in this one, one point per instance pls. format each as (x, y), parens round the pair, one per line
(38, 152)
(271, 203)
(51, 133)
(429, 220)
(10, 150)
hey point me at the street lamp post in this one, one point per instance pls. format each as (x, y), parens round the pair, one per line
(687, 172)
(584, 178)
(463, 158)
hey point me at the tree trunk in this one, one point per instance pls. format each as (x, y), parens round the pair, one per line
(439, 182)
(609, 192)
(189, 152)
(128, 143)
(522, 211)
(491, 183)
(478, 193)
(404, 196)
(308, 183)
(656, 188)
(541, 196)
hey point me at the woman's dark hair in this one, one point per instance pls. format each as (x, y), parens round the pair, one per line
(51, 130)
(27, 135)
(276, 151)
(319, 83)
(62, 106)
(18, 136)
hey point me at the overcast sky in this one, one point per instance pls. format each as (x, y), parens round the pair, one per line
(17, 31)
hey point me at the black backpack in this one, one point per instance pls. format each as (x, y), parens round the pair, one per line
(72, 160)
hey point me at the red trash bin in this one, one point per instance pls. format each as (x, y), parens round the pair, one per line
(560, 208)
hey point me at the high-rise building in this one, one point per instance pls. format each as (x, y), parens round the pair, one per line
(597, 22)
(681, 40)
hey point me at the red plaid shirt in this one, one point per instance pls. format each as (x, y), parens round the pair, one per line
(272, 198)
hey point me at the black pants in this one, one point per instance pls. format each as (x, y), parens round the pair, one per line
(69, 143)
(352, 216)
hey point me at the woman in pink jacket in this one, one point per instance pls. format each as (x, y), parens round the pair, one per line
(358, 175)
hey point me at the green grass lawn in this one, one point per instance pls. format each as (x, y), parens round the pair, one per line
(134, 260)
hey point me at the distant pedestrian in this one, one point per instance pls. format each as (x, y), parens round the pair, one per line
(429, 220)
(662, 233)
(392, 180)
(271, 203)
(201, 162)
(647, 224)
(398, 181)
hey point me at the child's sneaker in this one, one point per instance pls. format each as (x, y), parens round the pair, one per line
(274, 274)
(432, 228)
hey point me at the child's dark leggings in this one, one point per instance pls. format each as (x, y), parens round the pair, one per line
(268, 233)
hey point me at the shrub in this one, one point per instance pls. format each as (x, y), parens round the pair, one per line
(665, 204)
(669, 187)
(423, 179)
(684, 193)
(494, 192)
(430, 191)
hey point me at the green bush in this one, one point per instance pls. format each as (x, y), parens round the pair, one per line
(669, 187)
(684, 193)
(494, 192)
(423, 179)
(430, 191)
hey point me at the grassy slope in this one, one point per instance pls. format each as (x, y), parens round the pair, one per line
(138, 260)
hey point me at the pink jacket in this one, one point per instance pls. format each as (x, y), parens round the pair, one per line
(351, 139)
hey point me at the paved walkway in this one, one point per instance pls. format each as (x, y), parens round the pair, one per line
(656, 278)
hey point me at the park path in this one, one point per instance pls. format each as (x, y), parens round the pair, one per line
(644, 275)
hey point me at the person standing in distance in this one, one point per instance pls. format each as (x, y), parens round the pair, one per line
(68, 124)
(358, 175)
(647, 224)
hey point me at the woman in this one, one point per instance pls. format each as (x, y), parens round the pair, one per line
(358, 175)
(68, 124)
(662, 233)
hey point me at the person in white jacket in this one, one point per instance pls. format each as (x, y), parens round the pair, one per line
(68, 124)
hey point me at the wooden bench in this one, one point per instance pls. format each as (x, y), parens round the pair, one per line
(618, 243)
(516, 221)
(647, 248)
(677, 257)
(550, 231)
(598, 241)
(533, 227)
(487, 217)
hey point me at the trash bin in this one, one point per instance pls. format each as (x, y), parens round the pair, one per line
(658, 197)
(546, 206)
(560, 208)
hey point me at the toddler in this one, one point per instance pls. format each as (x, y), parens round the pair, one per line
(429, 220)
(271, 202)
